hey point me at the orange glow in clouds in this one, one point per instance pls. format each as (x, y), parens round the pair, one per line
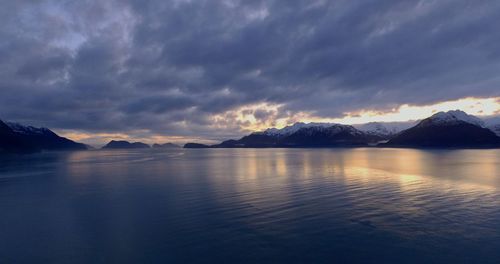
(472, 106)
(247, 119)
(406, 112)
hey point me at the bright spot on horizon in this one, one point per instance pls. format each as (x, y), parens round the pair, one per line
(101, 139)
(406, 112)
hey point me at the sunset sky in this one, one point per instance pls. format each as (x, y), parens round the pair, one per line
(185, 70)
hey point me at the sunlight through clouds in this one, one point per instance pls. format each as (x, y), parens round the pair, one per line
(264, 115)
(473, 106)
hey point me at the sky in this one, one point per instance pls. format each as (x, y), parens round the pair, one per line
(195, 70)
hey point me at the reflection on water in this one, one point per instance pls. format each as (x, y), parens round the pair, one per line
(252, 205)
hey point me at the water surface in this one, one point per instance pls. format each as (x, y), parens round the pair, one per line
(251, 205)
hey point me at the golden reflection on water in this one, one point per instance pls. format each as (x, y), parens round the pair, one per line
(411, 170)
(378, 185)
(251, 170)
(263, 185)
(480, 167)
(258, 199)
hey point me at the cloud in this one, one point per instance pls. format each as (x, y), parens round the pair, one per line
(173, 68)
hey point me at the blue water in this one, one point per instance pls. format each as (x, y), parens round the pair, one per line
(251, 206)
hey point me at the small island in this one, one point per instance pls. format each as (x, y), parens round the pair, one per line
(166, 145)
(122, 144)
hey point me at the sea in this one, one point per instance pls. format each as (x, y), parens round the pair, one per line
(358, 205)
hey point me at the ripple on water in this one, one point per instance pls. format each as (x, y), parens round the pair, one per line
(252, 205)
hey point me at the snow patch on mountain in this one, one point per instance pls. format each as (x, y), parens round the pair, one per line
(373, 128)
(332, 129)
(288, 130)
(27, 130)
(453, 117)
(384, 129)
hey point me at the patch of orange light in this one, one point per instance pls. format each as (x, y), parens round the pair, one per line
(246, 119)
(472, 106)
(82, 136)
(98, 139)
(406, 112)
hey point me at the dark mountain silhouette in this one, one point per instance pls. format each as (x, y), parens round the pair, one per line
(195, 145)
(303, 135)
(166, 145)
(444, 129)
(17, 138)
(255, 140)
(495, 128)
(122, 144)
(12, 142)
(453, 129)
(44, 138)
(493, 123)
(334, 136)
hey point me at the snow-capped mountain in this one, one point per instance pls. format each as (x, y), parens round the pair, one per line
(19, 138)
(288, 130)
(11, 141)
(305, 135)
(331, 129)
(379, 129)
(384, 129)
(27, 130)
(451, 118)
(443, 129)
(447, 129)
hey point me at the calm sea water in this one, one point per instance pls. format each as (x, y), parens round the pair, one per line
(251, 206)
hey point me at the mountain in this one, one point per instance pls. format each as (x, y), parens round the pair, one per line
(122, 144)
(495, 128)
(304, 135)
(44, 138)
(166, 145)
(13, 142)
(288, 130)
(447, 129)
(195, 145)
(385, 130)
(24, 139)
(493, 124)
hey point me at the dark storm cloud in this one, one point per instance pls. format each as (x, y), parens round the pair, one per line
(168, 66)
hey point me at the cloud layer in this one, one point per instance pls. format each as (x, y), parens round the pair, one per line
(182, 68)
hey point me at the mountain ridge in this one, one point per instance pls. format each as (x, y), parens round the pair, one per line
(165, 145)
(453, 128)
(18, 138)
(123, 144)
(303, 135)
